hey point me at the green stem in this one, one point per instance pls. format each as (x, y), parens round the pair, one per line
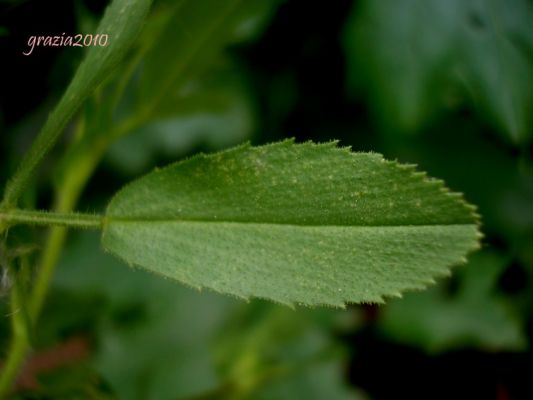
(67, 193)
(49, 258)
(19, 346)
(85, 158)
(43, 143)
(45, 218)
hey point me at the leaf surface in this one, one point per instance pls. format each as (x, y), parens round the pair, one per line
(294, 223)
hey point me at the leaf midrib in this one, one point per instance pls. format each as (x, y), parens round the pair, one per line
(148, 220)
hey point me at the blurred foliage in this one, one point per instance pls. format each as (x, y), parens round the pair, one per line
(216, 112)
(417, 57)
(471, 315)
(196, 98)
(444, 84)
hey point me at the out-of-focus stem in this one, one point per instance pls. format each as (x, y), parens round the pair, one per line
(19, 346)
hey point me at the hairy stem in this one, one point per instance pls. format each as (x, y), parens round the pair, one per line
(45, 218)
(67, 195)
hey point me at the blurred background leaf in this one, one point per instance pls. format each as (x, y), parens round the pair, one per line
(415, 59)
(471, 315)
(215, 113)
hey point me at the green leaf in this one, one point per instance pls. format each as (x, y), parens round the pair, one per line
(413, 58)
(294, 223)
(122, 22)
